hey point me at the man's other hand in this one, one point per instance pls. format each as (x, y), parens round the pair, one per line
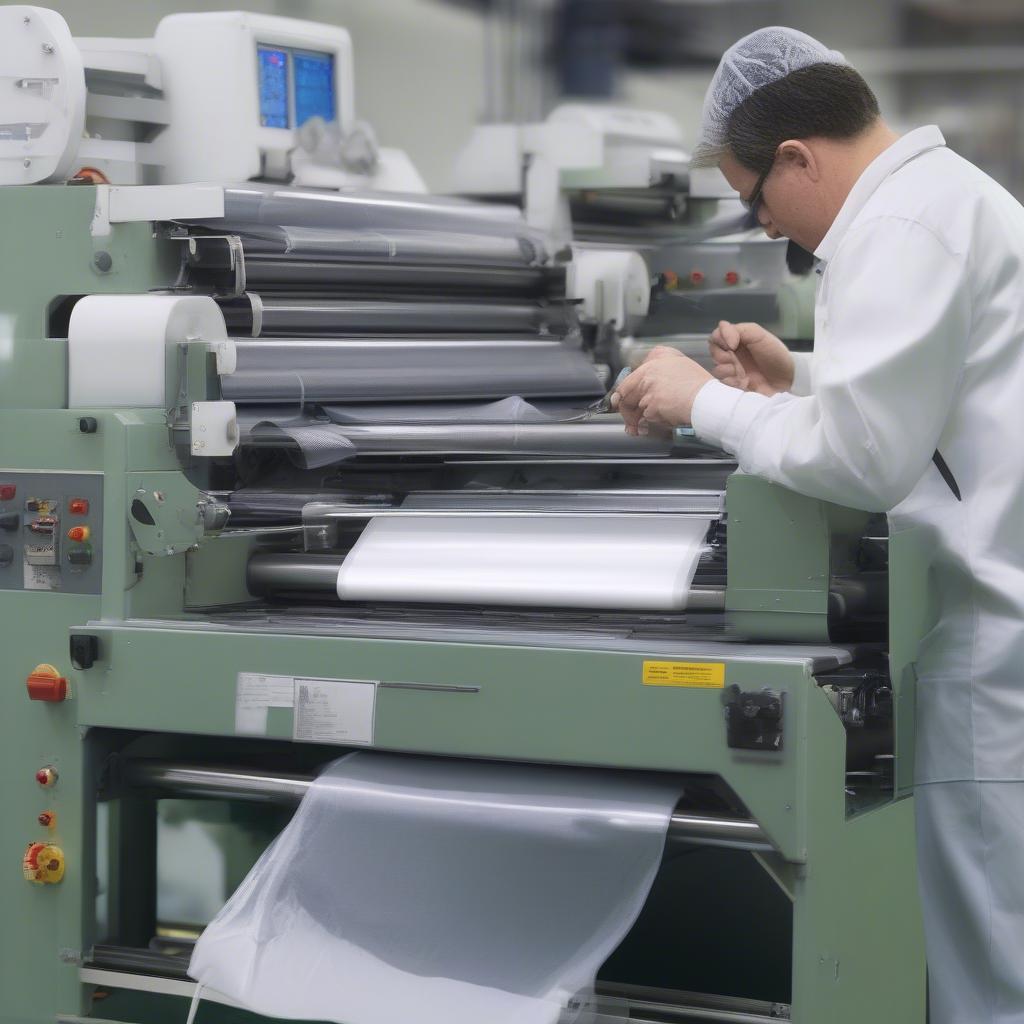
(659, 393)
(750, 358)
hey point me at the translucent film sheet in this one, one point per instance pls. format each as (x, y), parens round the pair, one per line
(552, 560)
(442, 892)
(319, 444)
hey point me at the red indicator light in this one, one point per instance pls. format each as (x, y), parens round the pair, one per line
(78, 506)
(46, 776)
(8, 492)
(696, 277)
(732, 277)
(78, 533)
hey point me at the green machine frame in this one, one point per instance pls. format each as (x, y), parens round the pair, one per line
(844, 878)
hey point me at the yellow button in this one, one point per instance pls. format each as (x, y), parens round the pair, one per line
(43, 864)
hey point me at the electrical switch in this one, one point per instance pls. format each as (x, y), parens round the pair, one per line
(80, 555)
(78, 533)
(78, 506)
(10, 521)
(46, 683)
(43, 864)
(47, 777)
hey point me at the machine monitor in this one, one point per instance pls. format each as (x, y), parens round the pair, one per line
(295, 85)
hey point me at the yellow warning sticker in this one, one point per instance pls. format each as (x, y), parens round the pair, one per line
(700, 675)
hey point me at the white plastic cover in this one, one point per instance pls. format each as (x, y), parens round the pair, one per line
(754, 61)
(42, 96)
(410, 888)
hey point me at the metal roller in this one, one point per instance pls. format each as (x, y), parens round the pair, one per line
(226, 783)
(400, 280)
(302, 317)
(280, 572)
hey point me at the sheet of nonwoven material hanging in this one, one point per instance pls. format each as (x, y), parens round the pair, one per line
(440, 891)
(551, 560)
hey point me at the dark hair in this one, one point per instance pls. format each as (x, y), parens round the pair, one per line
(821, 100)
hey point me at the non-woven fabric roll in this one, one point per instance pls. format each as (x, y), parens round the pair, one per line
(117, 346)
(550, 560)
(440, 891)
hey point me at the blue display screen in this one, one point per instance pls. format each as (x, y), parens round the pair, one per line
(295, 85)
(314, 86)
(274, 112)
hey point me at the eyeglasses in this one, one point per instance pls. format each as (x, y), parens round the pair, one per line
(753, 201)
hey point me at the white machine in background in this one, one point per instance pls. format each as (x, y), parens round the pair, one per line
(212, 97)
(602, 177)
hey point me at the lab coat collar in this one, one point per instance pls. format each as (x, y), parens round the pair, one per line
(904, 149)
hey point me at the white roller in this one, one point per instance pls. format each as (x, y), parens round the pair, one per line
(117, 346)
(552, 560)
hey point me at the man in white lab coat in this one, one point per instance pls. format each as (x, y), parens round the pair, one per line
(912, 404)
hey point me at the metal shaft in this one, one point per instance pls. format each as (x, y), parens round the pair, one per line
(277, 572)
(227, 783)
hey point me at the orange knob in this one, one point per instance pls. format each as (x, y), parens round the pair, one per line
(46, 683)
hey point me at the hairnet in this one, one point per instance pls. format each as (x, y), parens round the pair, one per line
(754, 61)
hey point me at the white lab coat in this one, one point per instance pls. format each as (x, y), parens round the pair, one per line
(919, 346)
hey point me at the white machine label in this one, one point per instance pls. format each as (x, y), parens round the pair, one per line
(334, 711)
(254, 693)
(42, 577)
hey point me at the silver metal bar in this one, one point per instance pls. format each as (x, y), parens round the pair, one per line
(247, 784)
(369, 512)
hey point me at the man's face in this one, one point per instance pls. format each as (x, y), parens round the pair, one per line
(791, 203)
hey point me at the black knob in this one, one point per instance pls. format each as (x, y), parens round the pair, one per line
(10, 521)
(88, 425)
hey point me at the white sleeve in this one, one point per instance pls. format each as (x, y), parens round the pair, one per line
(801, 373)
(889, 361)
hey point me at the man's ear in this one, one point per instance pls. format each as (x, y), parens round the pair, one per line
(799, 155)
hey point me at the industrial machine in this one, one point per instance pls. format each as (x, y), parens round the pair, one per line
(238, 422)
(603, 176)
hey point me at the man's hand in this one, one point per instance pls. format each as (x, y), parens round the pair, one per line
(659, 393)
(750, 358)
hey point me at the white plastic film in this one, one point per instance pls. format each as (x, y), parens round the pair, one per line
(611, 561)
(440, 891)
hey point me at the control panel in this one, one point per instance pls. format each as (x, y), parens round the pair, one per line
(51, 531)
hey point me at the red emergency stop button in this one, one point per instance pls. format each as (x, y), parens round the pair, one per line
(78, 506)
(46, 683)
(8, 492)
(47, 777)
(78, 533)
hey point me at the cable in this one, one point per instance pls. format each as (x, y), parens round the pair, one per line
(194, 1006)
